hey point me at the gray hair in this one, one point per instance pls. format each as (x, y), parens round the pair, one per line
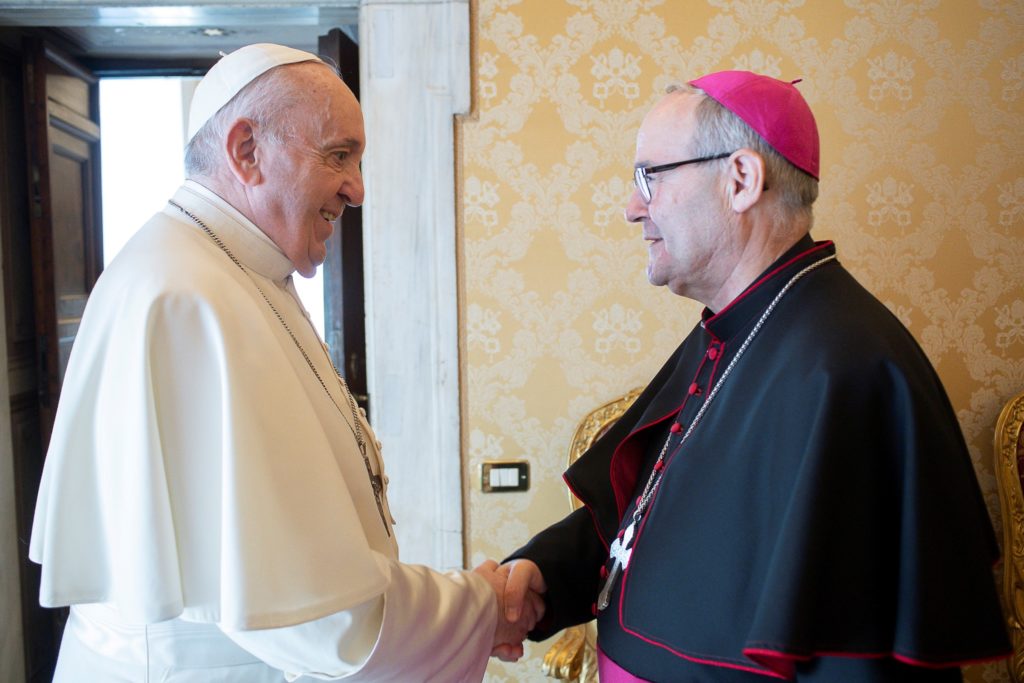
(719, 130)
(267, 101)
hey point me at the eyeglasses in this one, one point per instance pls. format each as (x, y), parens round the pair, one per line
(640, 175)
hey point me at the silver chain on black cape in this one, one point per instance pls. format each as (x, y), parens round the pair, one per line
(621, 548)
(376, 482)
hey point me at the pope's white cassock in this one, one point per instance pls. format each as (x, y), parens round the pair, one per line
(204, 507)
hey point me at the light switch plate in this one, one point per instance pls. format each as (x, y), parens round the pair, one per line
(498, 476)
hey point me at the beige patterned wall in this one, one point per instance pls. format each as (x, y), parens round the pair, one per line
(921, 111)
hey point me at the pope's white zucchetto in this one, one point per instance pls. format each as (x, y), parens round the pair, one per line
(232, 73)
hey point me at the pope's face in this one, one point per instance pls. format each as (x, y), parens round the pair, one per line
(310, 177)
(685, 222)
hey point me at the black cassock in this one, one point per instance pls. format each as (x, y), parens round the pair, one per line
(822, 521)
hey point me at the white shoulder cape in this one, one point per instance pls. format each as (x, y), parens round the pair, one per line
(196, 467)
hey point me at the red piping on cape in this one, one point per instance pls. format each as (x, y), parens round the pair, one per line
(782, 661)
(777, 664)
(752, 667)
(768, 276)
(624, 482)
(622, 486)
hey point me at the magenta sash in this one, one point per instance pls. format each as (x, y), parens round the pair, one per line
(610, 672)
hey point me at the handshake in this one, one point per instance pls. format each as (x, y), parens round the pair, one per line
(518, 586)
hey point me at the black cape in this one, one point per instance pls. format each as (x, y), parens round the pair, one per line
(825, 504)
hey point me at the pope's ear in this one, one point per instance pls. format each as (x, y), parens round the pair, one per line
(240, 149)
(746, 179)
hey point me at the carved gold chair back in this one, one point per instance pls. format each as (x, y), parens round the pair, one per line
(1009, 455)
(573, 657)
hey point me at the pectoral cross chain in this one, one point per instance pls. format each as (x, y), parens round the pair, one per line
(376, 482)
(619, 552)
(621, 548)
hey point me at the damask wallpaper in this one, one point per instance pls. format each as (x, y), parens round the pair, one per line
(921, 111)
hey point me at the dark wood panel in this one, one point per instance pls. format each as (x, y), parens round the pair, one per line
(63, 158)
(68, 174)
(70, 91)
(71, 173)
(18, 311)
(344, 296)
(42, 627)
(14, 232)
(61, 167)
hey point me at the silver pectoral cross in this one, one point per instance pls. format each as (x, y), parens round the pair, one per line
(378, 493)
(377, 484)
(619, 553)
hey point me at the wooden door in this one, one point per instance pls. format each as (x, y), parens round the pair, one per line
(20, 346)
(344, 309)
(62, 122)
(62, 243)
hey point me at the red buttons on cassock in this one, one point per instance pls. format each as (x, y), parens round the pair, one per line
(593, 609)
(712, 353)
(604, 572)
(675, 428)
(694, 389)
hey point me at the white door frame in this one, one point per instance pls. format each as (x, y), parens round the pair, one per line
(414, 79)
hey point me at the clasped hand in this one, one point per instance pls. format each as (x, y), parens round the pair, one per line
(518, 586)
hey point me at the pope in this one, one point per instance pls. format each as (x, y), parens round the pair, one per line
(213, 505)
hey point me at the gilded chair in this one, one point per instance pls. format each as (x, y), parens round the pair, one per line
(1009, 455)
(573, 657)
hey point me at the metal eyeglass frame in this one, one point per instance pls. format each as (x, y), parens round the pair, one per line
(641, 173)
